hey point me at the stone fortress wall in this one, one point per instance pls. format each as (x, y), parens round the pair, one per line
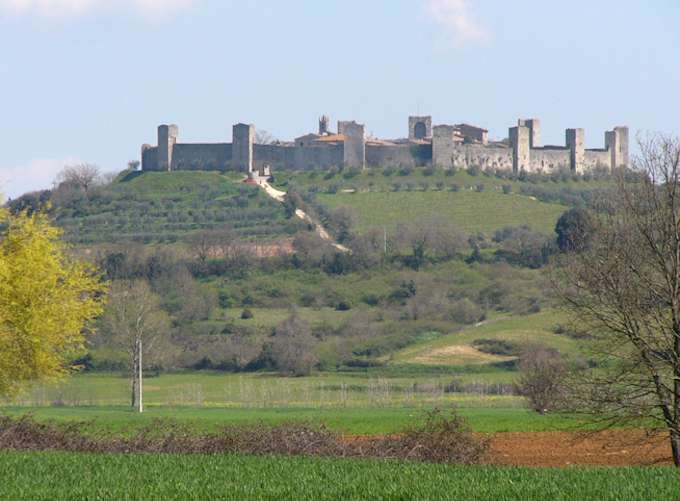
(442, 146)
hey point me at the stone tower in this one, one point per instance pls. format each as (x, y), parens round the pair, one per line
(575, 141)
(167, 137)
(521, 149)
(324, 125)
(242, 147)
(419, 127)
(616, 141)
(534, 126)
(354, 154)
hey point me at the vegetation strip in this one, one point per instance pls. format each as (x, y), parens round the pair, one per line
(59, 475)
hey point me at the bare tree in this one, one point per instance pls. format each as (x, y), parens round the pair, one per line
(219, 243)
(83, 176)
(264, 137)
(625, 289)
(293, 346)
(135, 321)
(542, 374)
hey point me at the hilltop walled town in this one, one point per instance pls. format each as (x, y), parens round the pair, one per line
(442, 146)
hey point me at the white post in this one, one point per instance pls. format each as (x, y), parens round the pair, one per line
(139, 357)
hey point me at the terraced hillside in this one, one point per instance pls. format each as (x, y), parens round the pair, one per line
(162, 207)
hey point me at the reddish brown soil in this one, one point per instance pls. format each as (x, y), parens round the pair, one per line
(608, 448)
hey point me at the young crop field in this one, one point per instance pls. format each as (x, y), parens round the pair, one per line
(57, 475)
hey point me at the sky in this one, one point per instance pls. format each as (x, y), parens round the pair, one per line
(90, 80)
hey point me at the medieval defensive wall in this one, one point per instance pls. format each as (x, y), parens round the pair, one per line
(443, 146)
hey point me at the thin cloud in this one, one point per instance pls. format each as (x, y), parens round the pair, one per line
(455, 17)
(70, 8)
(37, 174)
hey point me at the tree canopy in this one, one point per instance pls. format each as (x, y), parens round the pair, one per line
(47, 299)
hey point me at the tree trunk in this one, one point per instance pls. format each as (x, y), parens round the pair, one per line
(135, 384)
(675, 447)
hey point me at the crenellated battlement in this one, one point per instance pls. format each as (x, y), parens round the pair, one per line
(444, 146)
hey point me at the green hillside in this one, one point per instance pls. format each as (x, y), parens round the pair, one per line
(470, 211)
(156, 207)
(472, 345)
(474, 202)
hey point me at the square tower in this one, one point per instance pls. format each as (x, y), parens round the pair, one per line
(243, 137)
(521, 149)
(419, 127)
(354, 149)
(534, 126)
(575, 140)
(167, 138)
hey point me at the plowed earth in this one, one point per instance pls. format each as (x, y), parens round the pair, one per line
(607, 448)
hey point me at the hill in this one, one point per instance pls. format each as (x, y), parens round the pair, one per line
(495, 341)
(412, 307)
(473, 201)
(163, 207)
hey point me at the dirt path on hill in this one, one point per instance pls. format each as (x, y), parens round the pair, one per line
(555, 448)
(279, 196)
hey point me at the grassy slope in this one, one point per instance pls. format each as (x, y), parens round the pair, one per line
(536, 328)
(376, 204)
(78, 476)
(472, 212)
(164, 206)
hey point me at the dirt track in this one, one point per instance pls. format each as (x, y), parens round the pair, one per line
(610, 448)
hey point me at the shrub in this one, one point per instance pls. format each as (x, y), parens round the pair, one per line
(428, 171)
(292, 349)
(465, 311)
(497, 347)
(542, 372)
(507, 189)
(246, 314)
(331, 173)
(405, 171)
(442, 437)
(370, 299)
(351, 172)
(343, 306)
(473, 170)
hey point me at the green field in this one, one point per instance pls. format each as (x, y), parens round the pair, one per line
(79, 476)
(262, 390)
(471, 212)
(351, 421)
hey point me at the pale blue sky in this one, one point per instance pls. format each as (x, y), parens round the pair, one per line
(89, 80)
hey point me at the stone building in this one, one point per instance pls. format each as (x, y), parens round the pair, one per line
(443, 146)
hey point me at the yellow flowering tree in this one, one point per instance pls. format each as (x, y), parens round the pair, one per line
(46, 300)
